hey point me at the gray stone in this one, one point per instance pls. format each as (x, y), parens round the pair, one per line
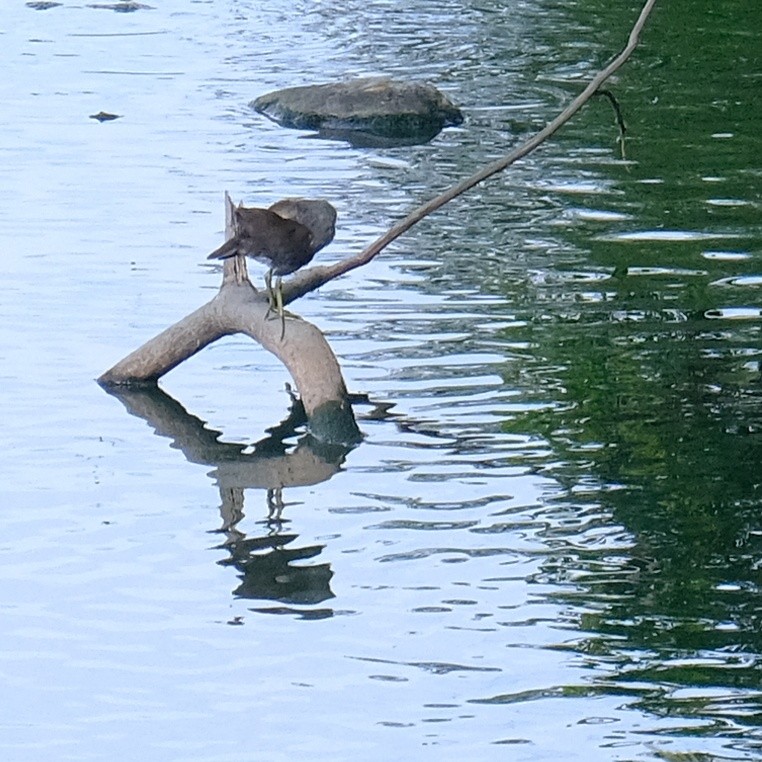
(370, 110)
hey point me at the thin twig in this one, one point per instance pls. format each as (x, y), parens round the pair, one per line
(618, 115)
(312, 278)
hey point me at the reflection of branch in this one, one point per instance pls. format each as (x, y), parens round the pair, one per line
(264, 564)
(267, 467)
(314, 277)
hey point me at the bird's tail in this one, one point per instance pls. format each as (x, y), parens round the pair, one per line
(228, 249)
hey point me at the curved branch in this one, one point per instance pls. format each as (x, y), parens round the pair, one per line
(239, 308)
(314, 277)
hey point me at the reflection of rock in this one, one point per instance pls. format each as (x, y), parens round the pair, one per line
(361, 110)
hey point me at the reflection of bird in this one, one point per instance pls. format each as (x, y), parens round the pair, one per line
(285, 237)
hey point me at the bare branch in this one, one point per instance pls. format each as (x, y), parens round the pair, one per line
(171, 347)
(314, 277)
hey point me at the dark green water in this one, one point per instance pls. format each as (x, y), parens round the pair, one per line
(660, 367)
(643, 338)
(549, 545)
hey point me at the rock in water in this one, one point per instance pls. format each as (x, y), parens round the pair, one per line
(372, 110)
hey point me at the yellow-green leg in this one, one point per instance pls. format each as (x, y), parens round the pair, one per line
(275, 297)
(270, 293)
(279, 306)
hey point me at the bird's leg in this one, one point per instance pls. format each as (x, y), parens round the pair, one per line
(275, 297)
(279, 305)
(270, 293)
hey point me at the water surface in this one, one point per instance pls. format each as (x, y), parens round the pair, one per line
(547, 547)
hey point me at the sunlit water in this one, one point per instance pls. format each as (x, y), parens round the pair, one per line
(548, 545)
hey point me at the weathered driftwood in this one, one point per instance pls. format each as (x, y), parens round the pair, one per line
(239, 308)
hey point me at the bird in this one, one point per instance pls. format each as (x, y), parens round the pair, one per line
(286, 236)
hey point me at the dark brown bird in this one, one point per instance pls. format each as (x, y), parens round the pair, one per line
(285, 237)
